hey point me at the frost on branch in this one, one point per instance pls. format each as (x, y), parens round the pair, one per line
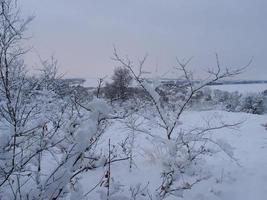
(182, 152)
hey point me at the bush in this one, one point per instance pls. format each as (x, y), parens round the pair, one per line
(253, 103)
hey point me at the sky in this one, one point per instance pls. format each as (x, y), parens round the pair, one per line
(81, 34)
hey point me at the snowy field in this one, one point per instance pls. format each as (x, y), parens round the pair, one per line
(241, 88)
(131, 137)
(242, 178)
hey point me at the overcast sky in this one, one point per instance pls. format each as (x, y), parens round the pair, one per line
(81, 33)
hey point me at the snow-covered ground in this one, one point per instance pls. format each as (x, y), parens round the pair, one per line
(242, 179)
(241, 88)
(247, 181)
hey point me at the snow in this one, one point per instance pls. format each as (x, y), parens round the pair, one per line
(193, 164)
(242, 179)
(247, 181)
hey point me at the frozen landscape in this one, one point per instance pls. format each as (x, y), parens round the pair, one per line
(239, 179)
(135, 134)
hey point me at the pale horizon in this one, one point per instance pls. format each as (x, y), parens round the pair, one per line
(81, 34)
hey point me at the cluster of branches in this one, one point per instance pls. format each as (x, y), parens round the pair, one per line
(38, 126)
(183, 148)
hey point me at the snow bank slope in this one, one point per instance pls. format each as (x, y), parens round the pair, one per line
(243, 179)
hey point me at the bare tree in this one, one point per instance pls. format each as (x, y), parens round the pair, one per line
(189, 83)
(183, 148)
(118, 89)
(13, 109)
(37, 124)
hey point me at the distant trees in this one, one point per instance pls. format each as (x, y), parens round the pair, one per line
(119, 87)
